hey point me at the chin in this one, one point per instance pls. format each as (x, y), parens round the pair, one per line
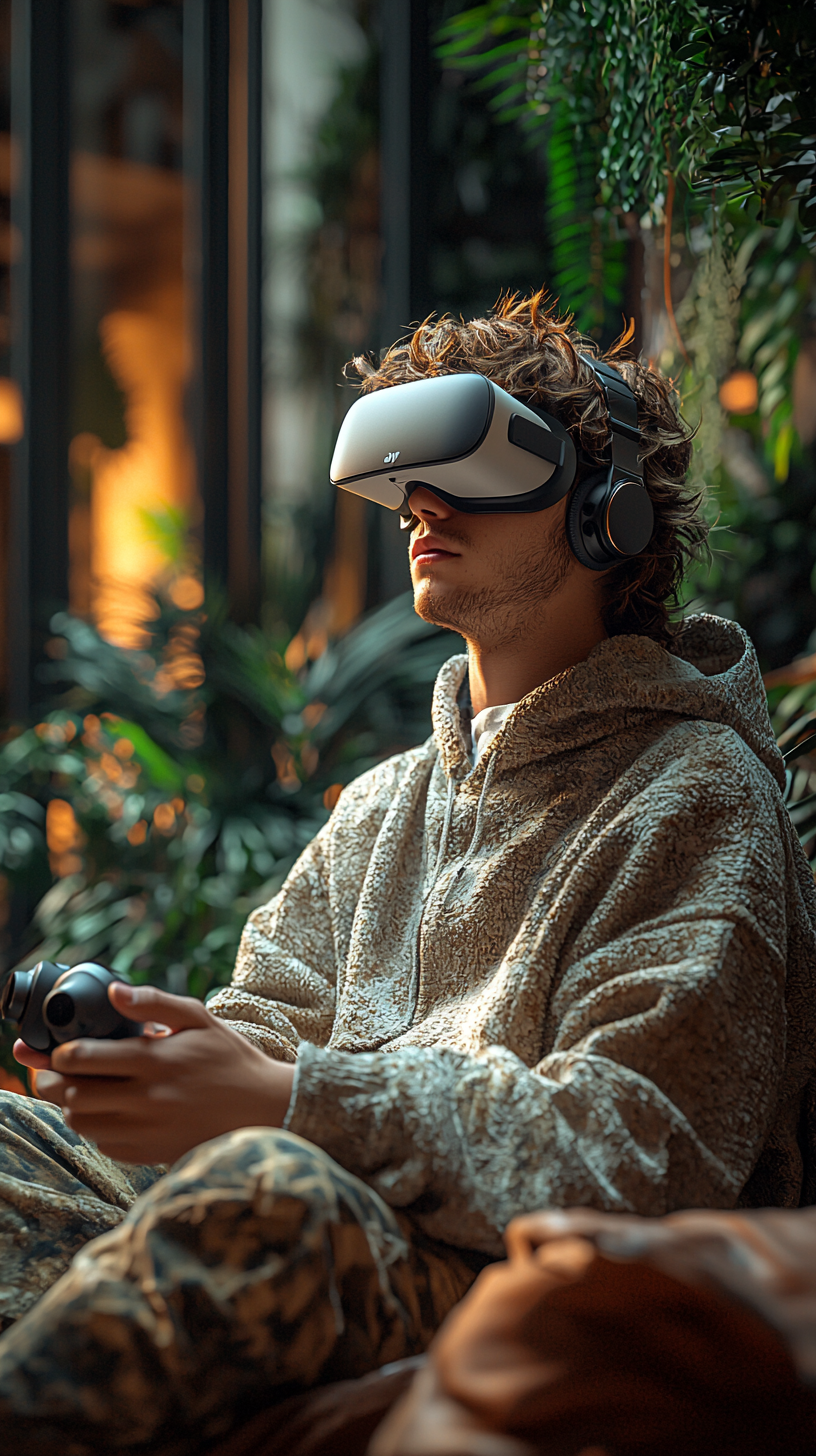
(443, 606)
(429, 601)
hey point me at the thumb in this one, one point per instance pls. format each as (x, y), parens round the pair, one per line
(148, 1003)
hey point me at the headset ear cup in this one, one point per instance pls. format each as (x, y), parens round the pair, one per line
(575, 524)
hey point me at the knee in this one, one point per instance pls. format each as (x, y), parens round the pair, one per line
(260, 1173)
(8, 1108)
(262, 1165)
(250, 1154)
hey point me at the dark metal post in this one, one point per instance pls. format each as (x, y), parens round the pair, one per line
(222, 88)
(38, 527)
(206, 164)
(245, 364)
(254, 297)
(404, 158)
(404, 113)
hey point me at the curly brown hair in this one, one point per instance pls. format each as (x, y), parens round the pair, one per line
(527, 349)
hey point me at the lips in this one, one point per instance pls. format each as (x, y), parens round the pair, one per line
(432, 548)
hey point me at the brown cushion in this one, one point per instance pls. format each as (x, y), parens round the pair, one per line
(333, 1420)
(570, 1351)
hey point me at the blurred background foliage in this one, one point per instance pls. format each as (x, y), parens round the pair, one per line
(640, 158)
(167, 791)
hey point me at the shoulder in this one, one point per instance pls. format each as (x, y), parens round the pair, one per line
(373, 793)
(705, 776)
(695, 753)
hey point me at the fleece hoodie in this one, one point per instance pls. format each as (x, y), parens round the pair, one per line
(580, 972)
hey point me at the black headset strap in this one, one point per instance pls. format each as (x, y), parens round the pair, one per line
(621, 407)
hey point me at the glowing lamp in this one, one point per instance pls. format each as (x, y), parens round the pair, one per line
(739, 394)
(11, 412)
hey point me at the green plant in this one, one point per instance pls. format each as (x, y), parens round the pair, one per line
(587, 259)
(167, 792)
(505, 46)
(794, 718)
(749, 306)
(716, 94)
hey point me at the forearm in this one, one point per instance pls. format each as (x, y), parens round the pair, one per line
(480, 1139)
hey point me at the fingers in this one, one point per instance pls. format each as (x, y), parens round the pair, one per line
(526, 1233)
(50, 1087)
(27, 1057)
(147, 1003)
(113, 1136)
(117, 1096)
(142, 1056)
(89, 1058)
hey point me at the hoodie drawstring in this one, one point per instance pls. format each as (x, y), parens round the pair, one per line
(476, 837)
(443, 838)
(475, 841)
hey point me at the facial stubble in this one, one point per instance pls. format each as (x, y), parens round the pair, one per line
(524, 579)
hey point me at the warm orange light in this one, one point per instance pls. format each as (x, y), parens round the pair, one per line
(295, 654)
(112, 767)
(285, 765)
(128, 223)
(138, 833)
(739, 393)
(149, 359)
(182, 666)
(61, 828)
(312, 714)
(187, 593)
(164, 818)
(64, 838)
(11, 412)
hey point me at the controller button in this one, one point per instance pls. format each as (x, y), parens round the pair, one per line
(60, 1009)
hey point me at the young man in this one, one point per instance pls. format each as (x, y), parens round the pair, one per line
(560, 954)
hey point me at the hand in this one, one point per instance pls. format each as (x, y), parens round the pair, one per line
(152, 1098)
(692, 1246)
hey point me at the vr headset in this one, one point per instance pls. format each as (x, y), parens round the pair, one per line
(484, 452)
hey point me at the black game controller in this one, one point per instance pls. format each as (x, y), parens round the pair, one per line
(54, 1004)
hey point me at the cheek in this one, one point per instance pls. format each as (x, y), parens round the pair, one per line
(511, 544)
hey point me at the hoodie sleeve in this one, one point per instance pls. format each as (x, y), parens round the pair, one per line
(667, 1029)
(283, 987)
(283, 990)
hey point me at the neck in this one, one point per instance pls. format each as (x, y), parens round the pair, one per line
(504, 672)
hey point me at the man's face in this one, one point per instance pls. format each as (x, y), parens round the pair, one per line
(486, 576)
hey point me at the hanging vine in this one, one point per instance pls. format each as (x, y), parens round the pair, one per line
(715, 95)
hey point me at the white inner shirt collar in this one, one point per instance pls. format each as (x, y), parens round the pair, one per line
(485, 726)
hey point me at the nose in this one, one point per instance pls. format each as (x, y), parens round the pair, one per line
(428, 507)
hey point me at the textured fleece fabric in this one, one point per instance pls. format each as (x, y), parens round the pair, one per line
(578, 973)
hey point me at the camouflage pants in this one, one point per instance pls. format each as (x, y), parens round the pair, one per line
(255, 1268)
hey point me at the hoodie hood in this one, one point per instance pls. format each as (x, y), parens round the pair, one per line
(711, 674)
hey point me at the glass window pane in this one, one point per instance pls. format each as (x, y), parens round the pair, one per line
(322, 249)
(11, 413)
(131, 459)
